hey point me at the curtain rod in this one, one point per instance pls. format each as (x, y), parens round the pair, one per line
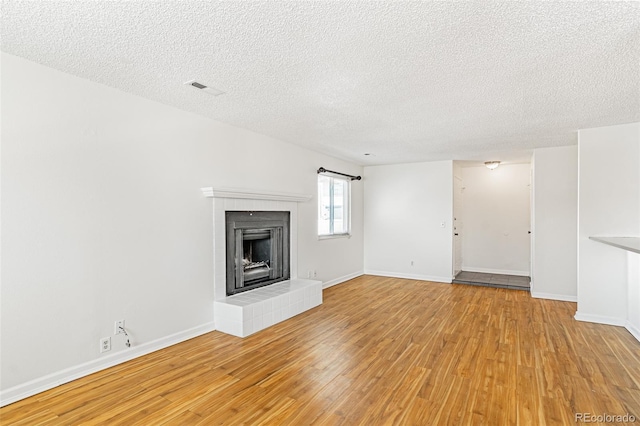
(323, 170)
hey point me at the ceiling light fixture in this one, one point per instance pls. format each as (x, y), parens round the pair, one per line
(210, 90)
(491, 164)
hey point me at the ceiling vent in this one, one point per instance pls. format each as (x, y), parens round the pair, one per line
(210, 90)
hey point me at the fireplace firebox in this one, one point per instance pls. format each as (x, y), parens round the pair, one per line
(257, 249)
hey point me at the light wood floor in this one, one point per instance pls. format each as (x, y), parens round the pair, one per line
(378, 351)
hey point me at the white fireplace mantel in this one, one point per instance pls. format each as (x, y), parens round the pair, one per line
(253, 194)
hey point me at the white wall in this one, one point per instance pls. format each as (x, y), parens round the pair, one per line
(608, 205)
(404, 207)
(633, 280)
(496, 219)
(555, 222)
(103, 219)
(633, 294)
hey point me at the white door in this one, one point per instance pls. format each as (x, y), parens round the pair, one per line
(457, 225)
(531, 224)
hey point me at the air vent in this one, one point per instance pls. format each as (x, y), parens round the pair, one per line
(210, 90)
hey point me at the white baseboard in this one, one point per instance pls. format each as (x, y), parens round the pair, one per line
(635, 331)
(552, 296)
(600, 319)
(342, 279)
(496, 271)
(409, 276)
(50, 381)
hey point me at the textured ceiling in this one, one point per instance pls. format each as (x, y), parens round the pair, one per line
(405, 81)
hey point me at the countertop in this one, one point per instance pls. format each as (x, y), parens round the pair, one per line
(626, 243)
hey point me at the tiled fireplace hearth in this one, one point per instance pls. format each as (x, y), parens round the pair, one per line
(251, 311)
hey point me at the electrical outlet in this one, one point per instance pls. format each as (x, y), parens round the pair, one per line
(315, 274)
(105, 344)
(412, 263)
(116, 327)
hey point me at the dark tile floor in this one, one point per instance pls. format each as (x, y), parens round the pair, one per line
(513, 282)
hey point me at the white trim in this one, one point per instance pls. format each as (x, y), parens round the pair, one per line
(253, 194)
(333, 236)
(635, 331)
(342, 279)
(552, 296)
(496, 271)
(50, 381)
(446, 280)
(599, 319)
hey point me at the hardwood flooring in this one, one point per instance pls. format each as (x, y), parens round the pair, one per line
(378, 351)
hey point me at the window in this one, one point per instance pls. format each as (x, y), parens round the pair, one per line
(333, 206)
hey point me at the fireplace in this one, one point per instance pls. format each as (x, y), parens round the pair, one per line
(257, 249)
(247, 312)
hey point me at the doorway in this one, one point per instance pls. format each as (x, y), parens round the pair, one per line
(491, 225)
